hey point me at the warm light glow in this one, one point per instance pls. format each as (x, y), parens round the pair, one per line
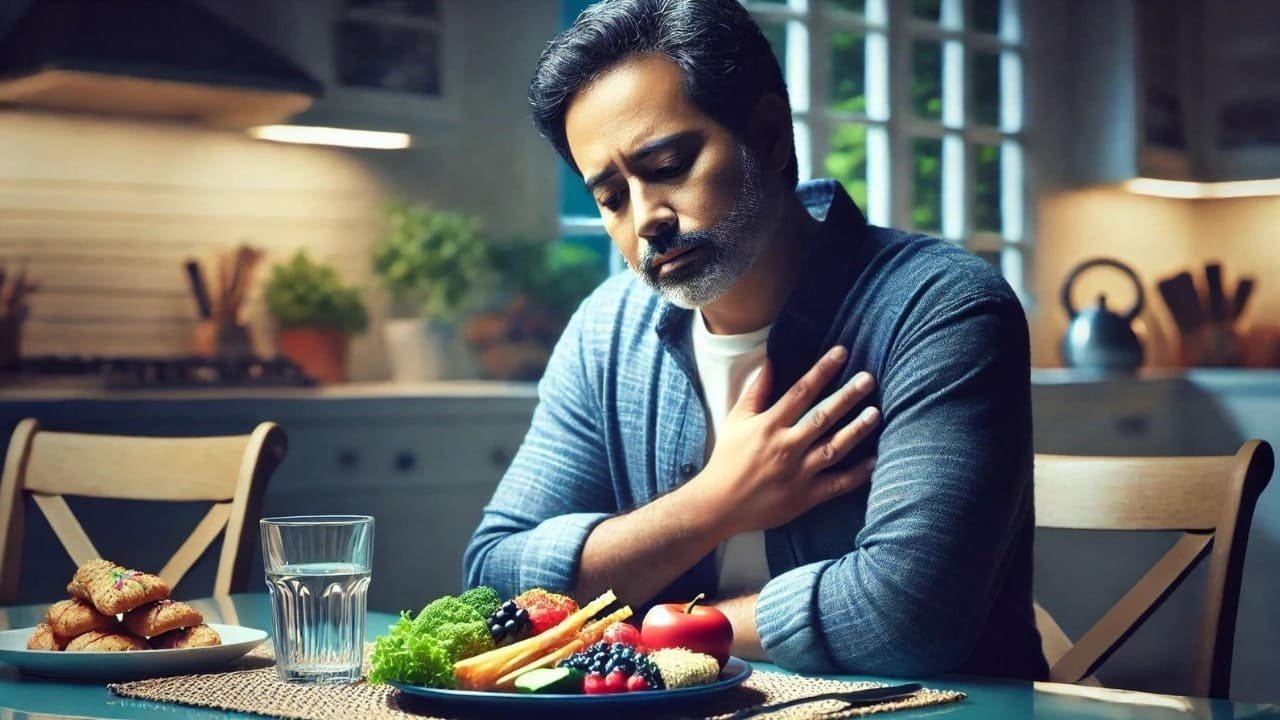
(341, 137)
(1202, 191)
(1119, 697)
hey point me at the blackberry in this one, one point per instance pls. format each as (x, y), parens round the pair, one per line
(647, 670)
(509, 624)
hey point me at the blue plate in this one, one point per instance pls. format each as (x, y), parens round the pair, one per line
(732, 675)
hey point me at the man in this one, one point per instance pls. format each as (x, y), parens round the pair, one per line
(710, 422)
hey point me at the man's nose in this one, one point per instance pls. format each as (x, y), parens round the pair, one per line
(654, 219)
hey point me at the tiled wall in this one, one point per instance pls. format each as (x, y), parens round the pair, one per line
(105, 212)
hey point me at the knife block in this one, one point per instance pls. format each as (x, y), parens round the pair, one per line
(211, 338)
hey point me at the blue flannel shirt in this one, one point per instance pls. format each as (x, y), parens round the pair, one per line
(927, 570)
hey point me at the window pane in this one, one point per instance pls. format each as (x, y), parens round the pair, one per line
(575, 199)
(848, 72)
(991, 256)
(847, 160)
(926, 79)
(927, 9)
(984, 15)
(926, 184)
(776, 34)
(857, 6)
(985, 80)
(986, 188)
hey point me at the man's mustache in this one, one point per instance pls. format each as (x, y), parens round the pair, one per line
(661, 245)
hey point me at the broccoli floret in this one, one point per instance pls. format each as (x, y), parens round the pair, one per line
(445, 611)
(482, 599)
(404, 655)
(463, 640)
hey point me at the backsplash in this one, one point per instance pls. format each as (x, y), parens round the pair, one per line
(1157, 237)
(105, 212)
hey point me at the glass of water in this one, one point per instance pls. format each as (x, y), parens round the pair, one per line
(318, 571)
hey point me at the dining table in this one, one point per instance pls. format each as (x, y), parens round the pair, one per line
(28, 697)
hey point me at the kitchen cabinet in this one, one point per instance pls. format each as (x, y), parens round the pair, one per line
(1080, 574)
(423, 463)
(1175, 90)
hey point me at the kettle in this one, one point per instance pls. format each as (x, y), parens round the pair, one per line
(1096, 337)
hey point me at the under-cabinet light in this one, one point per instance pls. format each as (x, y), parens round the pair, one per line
(1203, 191)
(341, 137)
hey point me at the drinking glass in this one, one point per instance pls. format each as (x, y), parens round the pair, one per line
(318, 570)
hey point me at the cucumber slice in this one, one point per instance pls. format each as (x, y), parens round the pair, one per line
(550, 680)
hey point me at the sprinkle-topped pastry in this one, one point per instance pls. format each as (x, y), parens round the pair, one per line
(198, 636)
(98, 641)
(117, 590)
(160, 617)
(73, 617)
(45, 639)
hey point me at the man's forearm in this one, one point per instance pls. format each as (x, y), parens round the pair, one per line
(639, 553)
(741, 612)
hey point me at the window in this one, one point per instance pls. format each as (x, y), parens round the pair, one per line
(916, 107)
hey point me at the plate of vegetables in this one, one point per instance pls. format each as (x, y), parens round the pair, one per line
(541, 649)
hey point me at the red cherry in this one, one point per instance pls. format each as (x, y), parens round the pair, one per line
(622, 634)
(635, 683)
(615, 682)
(594, 685)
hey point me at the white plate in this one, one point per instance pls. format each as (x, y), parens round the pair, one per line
(133, 665)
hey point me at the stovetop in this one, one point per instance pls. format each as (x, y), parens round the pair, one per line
(138, 373)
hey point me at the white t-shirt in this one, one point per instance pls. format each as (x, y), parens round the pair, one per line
(727, 365)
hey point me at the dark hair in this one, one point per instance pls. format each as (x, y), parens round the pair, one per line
(724, 59)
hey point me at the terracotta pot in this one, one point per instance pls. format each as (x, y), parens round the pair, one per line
(320, 352)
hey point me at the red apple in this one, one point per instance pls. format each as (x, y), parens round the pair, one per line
(700, 628)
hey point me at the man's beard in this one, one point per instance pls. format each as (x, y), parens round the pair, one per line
(733, 245)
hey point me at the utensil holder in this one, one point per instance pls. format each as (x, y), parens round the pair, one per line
(211, 338)
(10, 339)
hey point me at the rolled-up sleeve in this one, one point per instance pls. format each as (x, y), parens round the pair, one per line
(556, 490)
(949, 495)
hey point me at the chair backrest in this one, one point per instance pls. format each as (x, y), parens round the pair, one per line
(229, 471)
(1210, 499)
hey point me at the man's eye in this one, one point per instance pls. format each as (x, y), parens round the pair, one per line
(610, 202)
(670, 169)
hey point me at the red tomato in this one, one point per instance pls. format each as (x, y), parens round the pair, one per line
(622, 633)
(593, 684)
(615, 682)
(699, 628)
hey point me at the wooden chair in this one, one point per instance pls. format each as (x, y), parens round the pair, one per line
(1210, 499)
(231, 472)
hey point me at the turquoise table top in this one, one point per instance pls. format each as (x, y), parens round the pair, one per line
(24, 698)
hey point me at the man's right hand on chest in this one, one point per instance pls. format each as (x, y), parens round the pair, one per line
(772, 464)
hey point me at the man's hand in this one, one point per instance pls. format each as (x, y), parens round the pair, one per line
(770, 464)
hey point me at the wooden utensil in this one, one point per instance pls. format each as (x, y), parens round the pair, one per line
(1243, 290)
(1216, 296)
(1179, 293)
(195, 276)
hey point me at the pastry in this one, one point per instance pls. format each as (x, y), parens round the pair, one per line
(99, 641)
(79, 585)
(45, 639)
(70, 618)
(118, 590)
(198, 636)
(160, 617)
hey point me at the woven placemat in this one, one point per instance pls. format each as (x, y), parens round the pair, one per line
(251, 686)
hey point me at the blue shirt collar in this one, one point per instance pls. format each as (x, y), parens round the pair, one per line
(801, 328)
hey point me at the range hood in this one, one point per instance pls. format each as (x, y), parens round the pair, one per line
(166, 59)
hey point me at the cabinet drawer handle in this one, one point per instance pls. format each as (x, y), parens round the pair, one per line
(501, 458)
(405, 461)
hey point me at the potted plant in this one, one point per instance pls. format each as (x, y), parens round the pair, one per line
(541, 284)
(429, 261)
(317, 315)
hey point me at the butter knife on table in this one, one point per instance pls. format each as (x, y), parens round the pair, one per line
(853, 698)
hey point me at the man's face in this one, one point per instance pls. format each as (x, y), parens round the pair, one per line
(681, 197)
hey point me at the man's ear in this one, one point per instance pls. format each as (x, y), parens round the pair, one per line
(770, 132)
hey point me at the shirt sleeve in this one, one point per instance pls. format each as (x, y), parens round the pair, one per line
(556, 490)
(950, 493)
